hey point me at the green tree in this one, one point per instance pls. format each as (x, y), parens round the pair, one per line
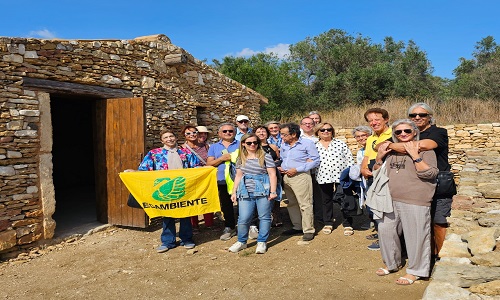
(270, 76)
(341, 69)
(479, 77)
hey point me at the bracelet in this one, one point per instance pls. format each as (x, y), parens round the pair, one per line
(379, 163)
(273, 193)
(417, 160)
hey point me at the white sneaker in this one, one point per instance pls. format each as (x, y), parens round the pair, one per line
(253, 233)
(238, 246)
(261, 248)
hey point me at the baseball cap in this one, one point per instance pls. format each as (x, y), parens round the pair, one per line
(241, 118)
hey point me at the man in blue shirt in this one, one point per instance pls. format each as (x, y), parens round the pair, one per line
(298, 156)
(218, 154)
(242, 123)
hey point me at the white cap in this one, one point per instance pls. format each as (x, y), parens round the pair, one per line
(202, 129)
(241, 118)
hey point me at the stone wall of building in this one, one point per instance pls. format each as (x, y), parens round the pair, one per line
(177, 89)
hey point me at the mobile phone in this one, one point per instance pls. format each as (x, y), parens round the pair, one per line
(224, 151)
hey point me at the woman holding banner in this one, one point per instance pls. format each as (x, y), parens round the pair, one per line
(191, 133)
(254, 187)
(171, 157)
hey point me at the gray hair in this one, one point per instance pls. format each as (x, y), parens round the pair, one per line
(363, 128)
(425, 107)
(272, 122)
(226, 124)
(408, 122)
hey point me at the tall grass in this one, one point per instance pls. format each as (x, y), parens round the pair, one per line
(449, 112)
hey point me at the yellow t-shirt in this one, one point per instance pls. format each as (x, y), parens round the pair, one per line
(374, 140)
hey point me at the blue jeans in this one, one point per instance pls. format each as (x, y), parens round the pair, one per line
(246, 209)
(168, 233)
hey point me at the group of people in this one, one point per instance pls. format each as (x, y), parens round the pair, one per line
(306, 166)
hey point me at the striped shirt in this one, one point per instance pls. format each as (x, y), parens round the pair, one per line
(253, 167)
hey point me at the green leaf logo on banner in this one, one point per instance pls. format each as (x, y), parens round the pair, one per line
(170, 189)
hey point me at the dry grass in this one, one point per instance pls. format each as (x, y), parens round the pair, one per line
(454, 111)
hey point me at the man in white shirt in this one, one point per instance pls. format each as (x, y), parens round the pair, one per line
(307, 129)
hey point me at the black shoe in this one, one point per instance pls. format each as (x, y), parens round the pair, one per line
(308, 237)
(291, 232)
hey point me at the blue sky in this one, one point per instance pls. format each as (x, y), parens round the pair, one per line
(446, 30)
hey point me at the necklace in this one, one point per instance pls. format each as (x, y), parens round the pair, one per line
(401, 163)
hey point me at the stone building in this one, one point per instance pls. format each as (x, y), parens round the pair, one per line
(74, 113)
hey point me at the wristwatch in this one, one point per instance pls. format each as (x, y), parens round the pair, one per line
(273, 193)
(417, 160)
(379, 163)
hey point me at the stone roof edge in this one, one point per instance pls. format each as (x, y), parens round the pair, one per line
(153, 38)
(164, 38)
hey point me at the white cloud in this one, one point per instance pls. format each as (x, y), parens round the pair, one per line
(44, 34)
(281, 50)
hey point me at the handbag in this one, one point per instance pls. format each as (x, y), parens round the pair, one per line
(132, 202)
(445, 184)
(349, 201)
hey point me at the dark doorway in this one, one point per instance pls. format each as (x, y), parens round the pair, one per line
(73, 163)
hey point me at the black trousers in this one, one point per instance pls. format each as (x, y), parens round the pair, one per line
(226, 205)
(327, 193)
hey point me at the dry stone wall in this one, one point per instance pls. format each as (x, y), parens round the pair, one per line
(177, 89)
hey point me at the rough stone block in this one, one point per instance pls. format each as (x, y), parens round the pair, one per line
(7, 171)
(491, 288)
(7, 239)
(465, 275)
(462, 202)
(454, 249)
(482, 240)
(4, 224)
(445, 291)
(490, 259)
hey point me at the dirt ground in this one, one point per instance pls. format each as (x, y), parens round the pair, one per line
(121, 263)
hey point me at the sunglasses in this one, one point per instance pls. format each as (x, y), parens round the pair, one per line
(422, 115)
(191, 133)
(252, 143)
(228, 131)
(243, 121)
(398, 132)
(326, 129)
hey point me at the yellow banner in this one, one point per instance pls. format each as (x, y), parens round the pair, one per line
(174, 193)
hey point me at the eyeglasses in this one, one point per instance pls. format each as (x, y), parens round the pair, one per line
(284, 134)
(326, 129)
(360, 136)
(243, 121)
(190, 133)
(308, 124)
(398, 132)
(252, 143)
(422, 115)
(227, 131)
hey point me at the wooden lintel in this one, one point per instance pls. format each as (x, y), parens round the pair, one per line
(69, 88)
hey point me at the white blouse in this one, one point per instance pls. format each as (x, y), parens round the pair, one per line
(333, 160)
